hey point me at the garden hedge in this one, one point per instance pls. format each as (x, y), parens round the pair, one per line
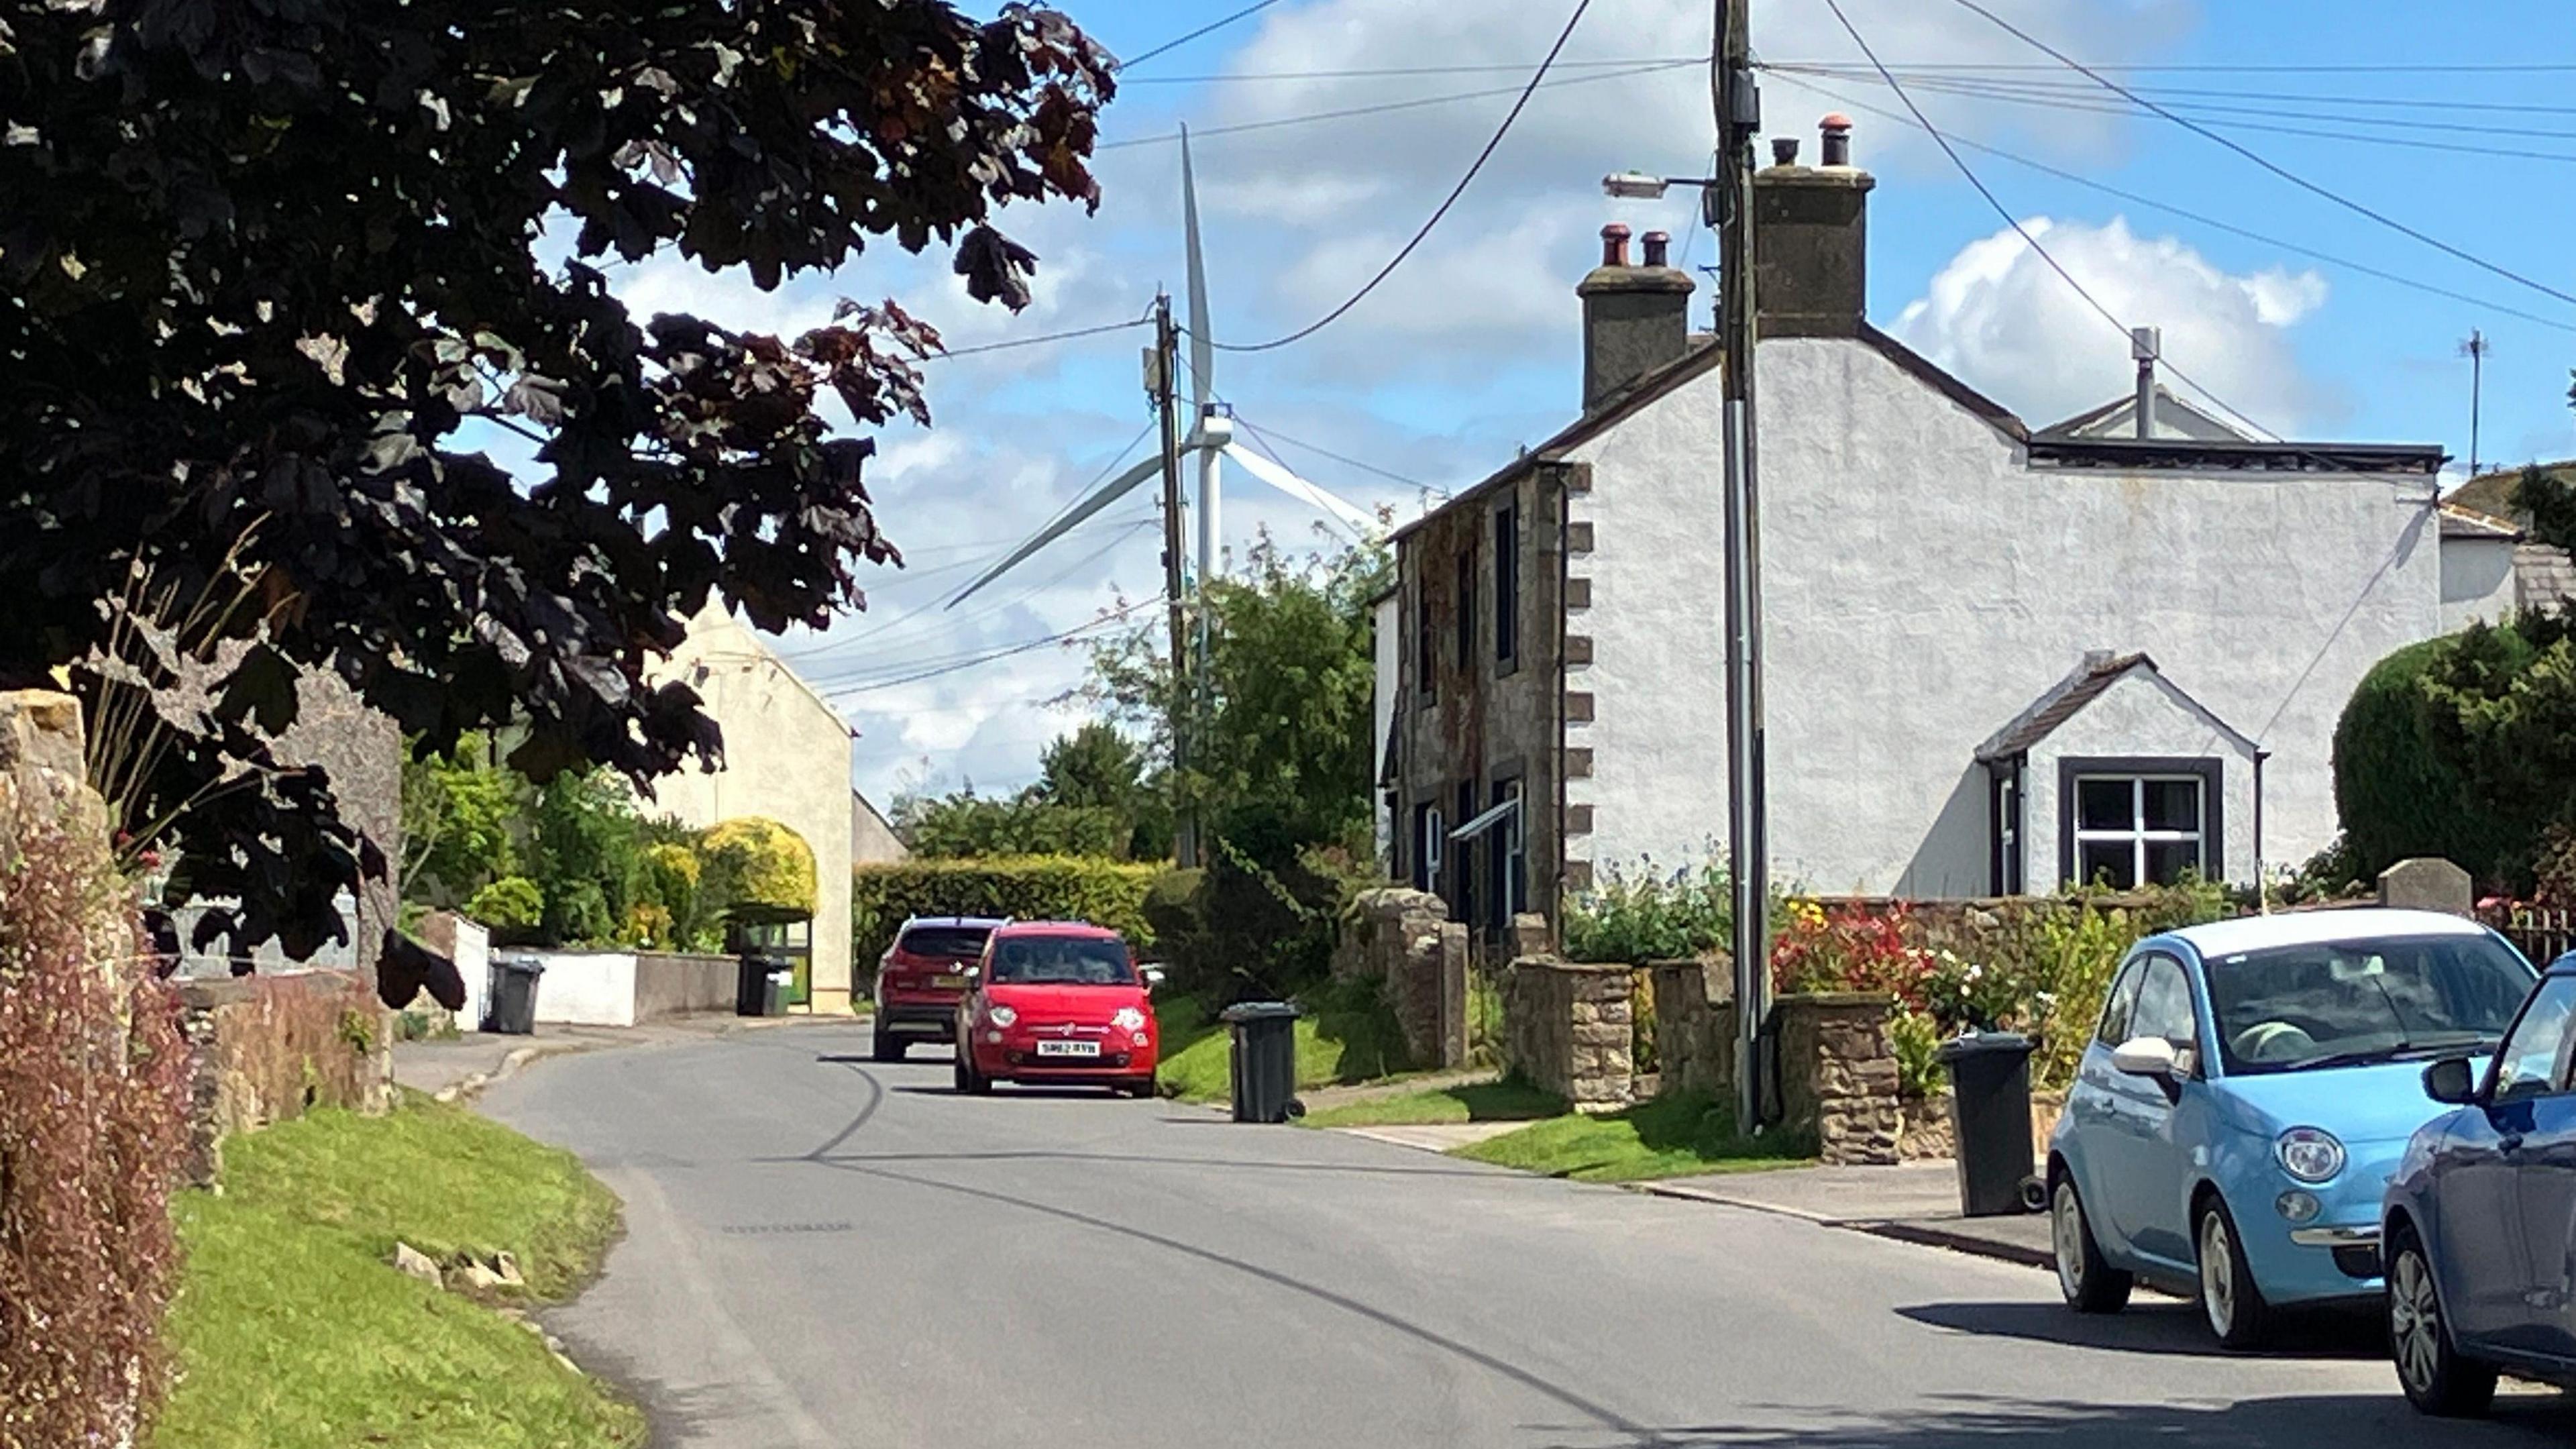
(1037, 887)
(2395, 794)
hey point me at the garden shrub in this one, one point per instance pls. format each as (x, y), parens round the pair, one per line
(754, 861)
(512, 904)
(93, 1123)
(1038, 887)
(1651, 916)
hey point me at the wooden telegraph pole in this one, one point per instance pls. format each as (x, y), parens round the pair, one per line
(1160, 365)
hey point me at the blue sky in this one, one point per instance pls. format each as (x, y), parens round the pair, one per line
(1472, 350)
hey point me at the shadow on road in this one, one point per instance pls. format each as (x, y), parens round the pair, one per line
(2154, 1327)
(1430, 1167)
(1961, 1421)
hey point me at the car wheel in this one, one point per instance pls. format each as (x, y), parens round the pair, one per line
(2229, 1300)
(2090, 1283)
(2436, 1379)
(962, 1075)
(884, 1047)
(1138, 1087)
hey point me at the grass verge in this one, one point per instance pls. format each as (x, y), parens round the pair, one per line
(293, 1332)
(1505, 1101)
(1338, 1041)
(1667, 1137)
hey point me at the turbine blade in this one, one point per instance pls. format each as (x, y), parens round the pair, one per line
(1110, 492)
(1202, 353)
(1358, 521)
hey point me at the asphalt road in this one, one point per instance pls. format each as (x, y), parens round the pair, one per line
(825, 1252)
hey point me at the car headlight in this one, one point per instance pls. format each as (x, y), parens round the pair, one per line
(1000, 1015)
(2309, 1154)
(1128, 1019)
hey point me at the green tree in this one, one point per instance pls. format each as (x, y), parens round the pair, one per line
(1098, 767)
(276, 272)
(460, 816)
(587, 855)
(1280, 747)
(963, 825)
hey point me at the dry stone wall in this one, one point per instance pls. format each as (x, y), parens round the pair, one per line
(1694, 1027)
(1838, 1075)
(1405, 941)
(1568, 1029)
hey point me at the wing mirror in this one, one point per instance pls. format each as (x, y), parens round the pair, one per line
(2448, 1081)
(2146, 1056)
(1153, 976)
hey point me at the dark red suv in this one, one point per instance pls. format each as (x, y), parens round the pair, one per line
(922, 977)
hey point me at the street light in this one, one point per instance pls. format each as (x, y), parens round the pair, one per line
(1638, 186)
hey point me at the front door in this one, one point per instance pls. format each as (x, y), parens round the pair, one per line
(2486, 1253)
(2149, 1201)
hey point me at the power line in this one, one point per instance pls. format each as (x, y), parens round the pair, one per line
(2006, 212)
(1105, 620)
(1324, 452)
(2226, 118)
(1388, 107)
(2195, 67)
(1382, 72)
(1036, 341)
(1208, 29)
(2258, 159)
(1128, 526)
(1473, 170)
(2187, 214)
(2226, 93)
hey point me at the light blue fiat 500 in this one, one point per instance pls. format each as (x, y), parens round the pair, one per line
(2251, 1088)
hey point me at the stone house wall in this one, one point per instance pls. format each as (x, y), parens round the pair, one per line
(1568, 1030)
(1838, 1075)
(1404, 941)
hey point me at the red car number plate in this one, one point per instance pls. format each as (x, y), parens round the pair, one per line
(1068, 1048)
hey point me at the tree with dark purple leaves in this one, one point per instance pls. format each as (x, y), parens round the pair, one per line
(269, 264)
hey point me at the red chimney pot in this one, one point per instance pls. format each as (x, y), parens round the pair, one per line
(1658, 244)
(1614, 245)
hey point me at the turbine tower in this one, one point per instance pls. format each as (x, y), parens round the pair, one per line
(1210, 436)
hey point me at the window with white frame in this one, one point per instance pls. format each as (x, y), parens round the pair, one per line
(1435, 834)
(2144, 828)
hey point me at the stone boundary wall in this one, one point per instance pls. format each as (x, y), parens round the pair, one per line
(1567, 1029)
(627, 988)
(1838, 1075)
(1405, 941)
(271, 1048)
(1694, 1027)
(676, 984)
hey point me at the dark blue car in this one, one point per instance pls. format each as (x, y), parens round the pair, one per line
(2480, 1218)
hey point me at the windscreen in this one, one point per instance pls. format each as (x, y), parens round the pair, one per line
(2339, 1003)
(946, 943)
(1062, 960)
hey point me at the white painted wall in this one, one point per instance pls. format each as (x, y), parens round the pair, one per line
(787, 757)
(2477, 581)
(2138, 716)
(1923, 586)
(585, 988)
(474, 963)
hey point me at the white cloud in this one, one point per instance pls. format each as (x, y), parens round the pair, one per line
(1999, 317)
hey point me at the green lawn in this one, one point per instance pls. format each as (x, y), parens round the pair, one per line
(1506, 1101)
(1667, 1137)
(293, 1332)
(1335, 1044)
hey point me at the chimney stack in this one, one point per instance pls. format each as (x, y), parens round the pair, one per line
(1635, 318)
(1837, 147)
(1811, 240)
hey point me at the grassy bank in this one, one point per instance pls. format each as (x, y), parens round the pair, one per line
(1667, 1137)
(1336, 1042)
(1507, 1101)
(292, 1332)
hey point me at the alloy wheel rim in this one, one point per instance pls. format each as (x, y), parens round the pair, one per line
(2217, 1274)
(2069, 1225)
(2415, 1322)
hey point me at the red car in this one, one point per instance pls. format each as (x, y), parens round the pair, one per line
(921, 978)
(1057, 1002)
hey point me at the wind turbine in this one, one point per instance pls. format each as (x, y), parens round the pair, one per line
(1210, 438)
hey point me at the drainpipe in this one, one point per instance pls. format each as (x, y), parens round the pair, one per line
(2262, 896)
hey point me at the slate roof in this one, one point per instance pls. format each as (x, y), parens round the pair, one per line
(2067, 698)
